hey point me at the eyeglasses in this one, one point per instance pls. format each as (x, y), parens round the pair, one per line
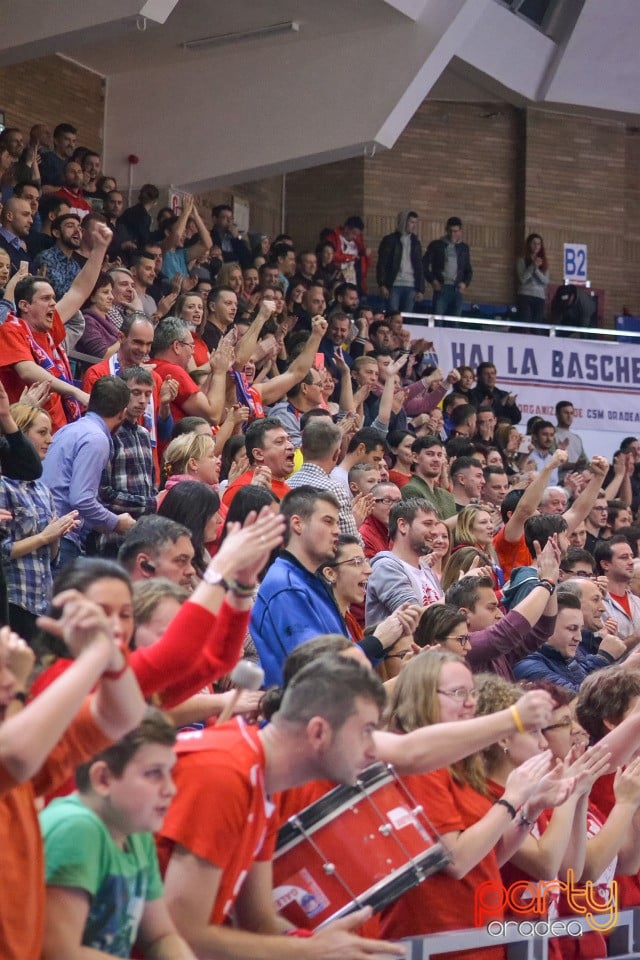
(460, 694)
(354, 562)
(387, 500)
(187, 343)
(565, 722)
(601, 509)
(464, 639)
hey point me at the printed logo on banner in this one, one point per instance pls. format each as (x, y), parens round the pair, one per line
(303, 890)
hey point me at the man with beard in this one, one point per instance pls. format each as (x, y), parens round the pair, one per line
(65, 137)
(71, 189)
(401, 575)
(293, 604)
(346, 300)
(430, 457)
(61, 266)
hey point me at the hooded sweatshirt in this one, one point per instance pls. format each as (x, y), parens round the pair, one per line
(405, 276)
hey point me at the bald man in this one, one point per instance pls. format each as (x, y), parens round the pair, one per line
(15, 223)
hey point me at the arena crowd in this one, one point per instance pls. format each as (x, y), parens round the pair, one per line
(254, 541)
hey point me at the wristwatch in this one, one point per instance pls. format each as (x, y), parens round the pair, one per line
(548, 585)
(214, 578)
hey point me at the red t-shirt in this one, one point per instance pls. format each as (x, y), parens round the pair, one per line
(14, 348)
(186, 386)
(603, 797)
(22, 889)
(622, 599)
(221, 812)
(442, 902)
(279, 487)
(201, 351)
(399, 478)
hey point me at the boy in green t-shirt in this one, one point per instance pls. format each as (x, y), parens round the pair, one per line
(104, 889)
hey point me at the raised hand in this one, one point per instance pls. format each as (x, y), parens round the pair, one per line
(587, 765)
(551, 790)
(535, 708)
(165, 303)
(36, 394)
(20, 656)
(223, 357)
(169, 389)
(100, 235)
(60, 526)
(548, 559)
(599, 466)
(245, 550)
(319, 326)
(626, 785)
(522, 781)
(238, 468)
(362, 506)
(81, 622)
(262, 476)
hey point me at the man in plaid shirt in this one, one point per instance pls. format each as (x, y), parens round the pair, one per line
(128, 482)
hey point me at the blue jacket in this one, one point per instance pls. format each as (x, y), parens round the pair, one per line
(548, 664)
(293, 605)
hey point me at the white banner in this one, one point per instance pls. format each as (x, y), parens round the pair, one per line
(601, 379)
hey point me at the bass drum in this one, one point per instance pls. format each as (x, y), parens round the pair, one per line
(355, 847)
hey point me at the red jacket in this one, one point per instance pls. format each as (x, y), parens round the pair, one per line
(335, 237)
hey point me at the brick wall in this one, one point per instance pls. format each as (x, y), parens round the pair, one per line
(323, 197)
(53, 90)
(454, 160)
(263, 196)
(582, 186)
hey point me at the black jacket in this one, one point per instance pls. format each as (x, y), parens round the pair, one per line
(239, 252)
(487, 397)
(390, 256)
(434, 262)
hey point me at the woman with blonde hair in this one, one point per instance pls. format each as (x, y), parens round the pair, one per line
(190, 457)
(434, 687)
(475, 529)
(440, 549)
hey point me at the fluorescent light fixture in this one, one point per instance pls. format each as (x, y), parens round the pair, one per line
(219, 40)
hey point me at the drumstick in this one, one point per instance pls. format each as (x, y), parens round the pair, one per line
(246, 676)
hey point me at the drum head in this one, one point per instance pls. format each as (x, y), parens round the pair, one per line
(331, 804)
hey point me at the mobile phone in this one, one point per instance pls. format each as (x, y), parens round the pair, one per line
(525, 445)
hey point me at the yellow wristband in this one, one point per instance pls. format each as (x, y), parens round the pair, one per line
(517, 719)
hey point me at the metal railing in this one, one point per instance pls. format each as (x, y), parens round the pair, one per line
(623, 941)
(553, 330)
